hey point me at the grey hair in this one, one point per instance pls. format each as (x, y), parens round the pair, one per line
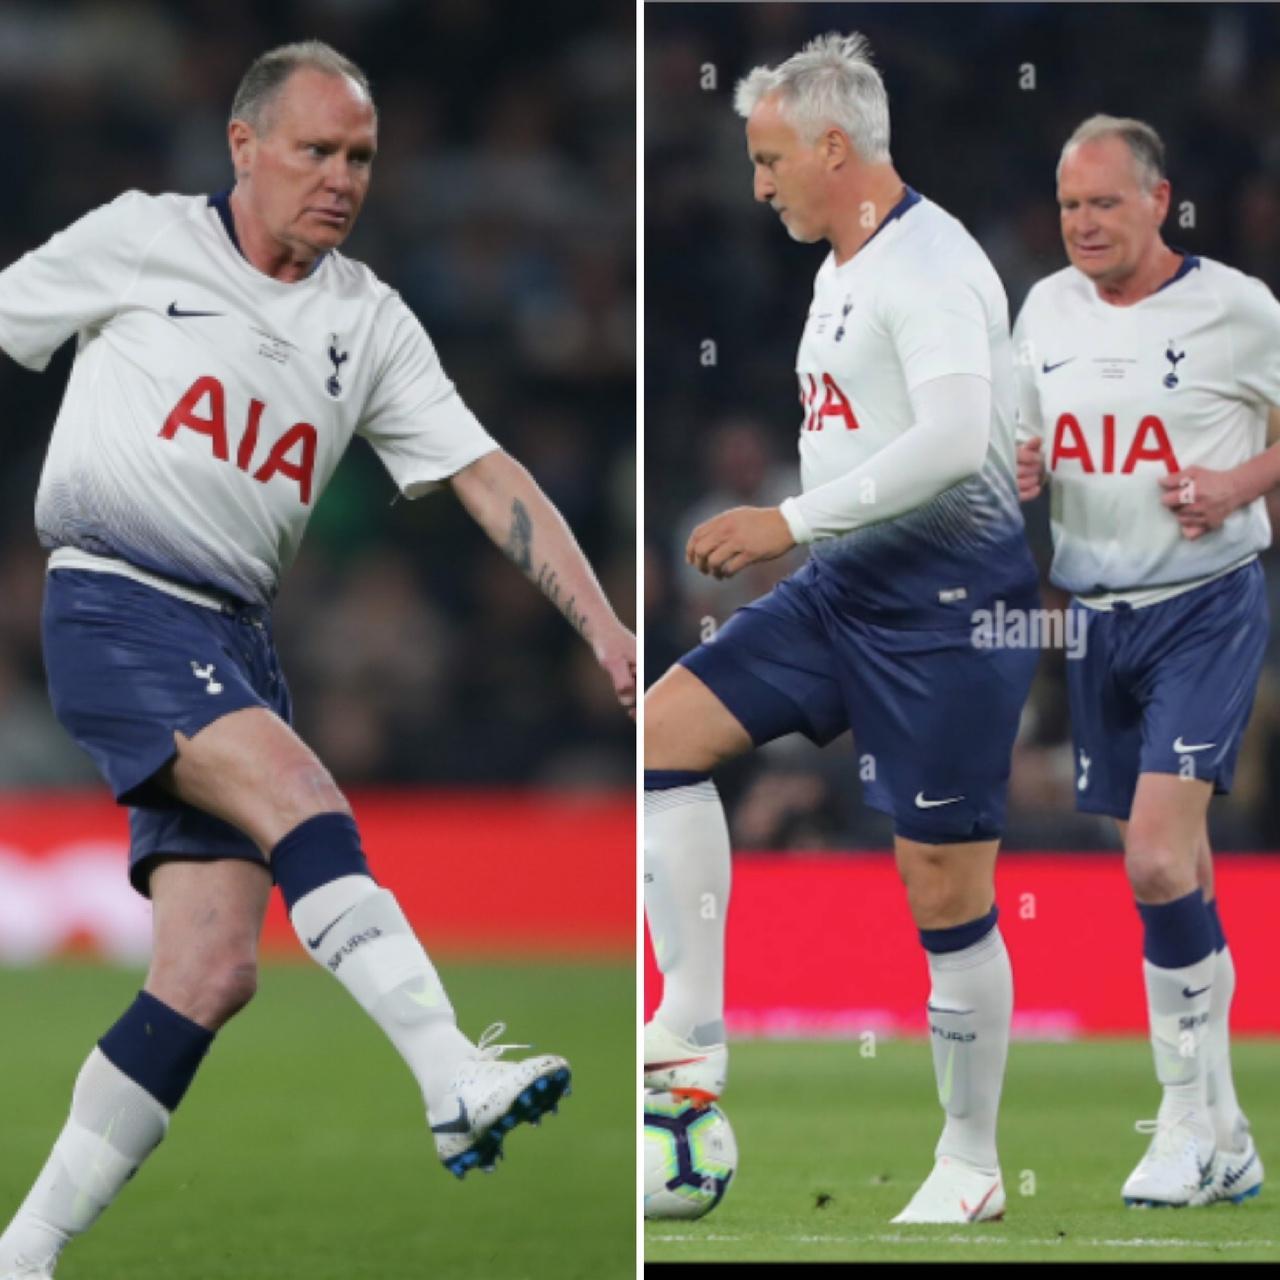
(1142, 140)
(831, 81)
(266, 77)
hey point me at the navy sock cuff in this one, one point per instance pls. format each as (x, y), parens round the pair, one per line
(157, 1047)
(665, 779)
(324, 848)
(1178, 933)
(1215, 923)
(957, 938)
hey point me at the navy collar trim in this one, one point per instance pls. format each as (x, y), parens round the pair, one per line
(1189, 263)
(910, 199)
(222, 203)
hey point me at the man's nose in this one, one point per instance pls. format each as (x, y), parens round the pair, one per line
(764, 188)
(338, 174)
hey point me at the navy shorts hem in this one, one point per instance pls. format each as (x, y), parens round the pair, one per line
(137, 787)
(756, 705)
(140, 868)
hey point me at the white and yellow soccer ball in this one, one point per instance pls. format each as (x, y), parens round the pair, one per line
(690, 1157)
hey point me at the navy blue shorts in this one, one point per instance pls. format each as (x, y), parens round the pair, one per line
(128, 666)
(1166, 689)
(933, 714)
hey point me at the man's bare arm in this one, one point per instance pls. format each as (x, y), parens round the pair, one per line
(504, 499)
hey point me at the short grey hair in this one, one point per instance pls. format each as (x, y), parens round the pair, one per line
(1142, 140)
(267, 76)
(831, 81)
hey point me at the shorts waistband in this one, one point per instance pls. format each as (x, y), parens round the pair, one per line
(75, 558)
(1141, 597)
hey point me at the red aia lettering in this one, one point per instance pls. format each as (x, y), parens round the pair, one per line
(1150, 444)
(301, 436)
(184, 414)
(835, 404)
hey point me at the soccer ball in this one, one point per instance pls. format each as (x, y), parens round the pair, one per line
(690, 1157)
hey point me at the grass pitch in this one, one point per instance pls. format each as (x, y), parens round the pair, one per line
(302, 1150)
(833, 1145)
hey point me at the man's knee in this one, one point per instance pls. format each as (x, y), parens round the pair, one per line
(305, 790)
(1157, 871)
(947, 885)
(208, 991)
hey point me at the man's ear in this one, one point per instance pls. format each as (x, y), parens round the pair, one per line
(243, 143)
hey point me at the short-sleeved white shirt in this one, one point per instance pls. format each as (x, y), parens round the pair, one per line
(209, 404)
(1125, 395)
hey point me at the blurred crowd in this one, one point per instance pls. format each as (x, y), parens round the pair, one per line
(981, 99)
(503, 209)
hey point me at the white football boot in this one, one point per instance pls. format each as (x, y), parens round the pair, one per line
(1235, 1174)
(23, 1267)
(675, 1066)
(956, 1191)
(1178, 1163)
(488, 1098)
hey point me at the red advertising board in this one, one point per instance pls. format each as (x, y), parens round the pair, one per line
(477, 872)
(825, 945)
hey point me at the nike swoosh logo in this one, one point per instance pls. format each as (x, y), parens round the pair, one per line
(313, 943)
(935, 1009)
(1236, 1174)
(944, 1093)
(1049, 368)
(428, 998)
(1191, 995)
(1183, 748)
(677, 1062)
(460, 1124)
(922, 803)
(187, 315)
(972, 1214)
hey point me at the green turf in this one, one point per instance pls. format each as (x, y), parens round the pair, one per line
(832, 1145)
(302, 1150)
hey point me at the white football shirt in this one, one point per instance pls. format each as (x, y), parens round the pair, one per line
(1124, 395)
(209, 404)
(919, 301)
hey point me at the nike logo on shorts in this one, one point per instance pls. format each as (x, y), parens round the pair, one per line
(1183, 748)
(1191, 995)
(922, 803)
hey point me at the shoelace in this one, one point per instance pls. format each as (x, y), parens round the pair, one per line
(487, 1051)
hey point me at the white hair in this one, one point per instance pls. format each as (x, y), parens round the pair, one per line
(1142, 140)
(831, 81)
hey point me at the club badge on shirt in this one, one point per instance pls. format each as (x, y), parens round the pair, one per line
(339, 358)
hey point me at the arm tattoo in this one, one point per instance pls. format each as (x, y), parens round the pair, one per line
(549, 584)
(520, 540)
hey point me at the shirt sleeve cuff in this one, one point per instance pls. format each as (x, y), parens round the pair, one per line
(796, 522)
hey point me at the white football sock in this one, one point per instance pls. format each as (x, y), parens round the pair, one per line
(1178, 1009)
(686, 899)
(1220, 1087)
(114, 1125)
(358, 932)
(970, 1009)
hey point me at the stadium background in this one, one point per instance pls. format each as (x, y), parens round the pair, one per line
(483, 751)
(835, 1116)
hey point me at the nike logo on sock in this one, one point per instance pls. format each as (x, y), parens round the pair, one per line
(1191, 995)
(313, 943)
(460, 1124)
(678, 1062)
